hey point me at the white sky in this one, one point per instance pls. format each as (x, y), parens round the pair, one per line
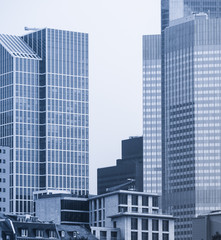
(115, 30)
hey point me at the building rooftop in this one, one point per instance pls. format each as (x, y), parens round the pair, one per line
(17, 47)
(124, 191)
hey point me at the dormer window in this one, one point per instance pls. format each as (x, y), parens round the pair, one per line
(24, 232)
(52, 234)
(39, 233)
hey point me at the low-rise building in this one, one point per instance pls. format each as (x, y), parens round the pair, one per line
(13, 227)
(4, 179)
(62, 207)
(27, 227)
(129, 215)
(207, 226)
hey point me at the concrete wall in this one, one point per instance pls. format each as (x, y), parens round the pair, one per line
(48, 209)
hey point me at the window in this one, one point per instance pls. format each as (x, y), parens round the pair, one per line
(39, 233)
(134, 236)
(165, 225)
(145, 200)
(134, 223)
(155, 236)
(103, 235)
(134, 200)
(52, 234)
(122, 198)
(113, 235)
(114, 224)
(24, 232)
(165, 236)
(122, 209)
(155, 201)
(134, 209)
(144, 236)
(145, 210)
(155, 225)
(144, 224)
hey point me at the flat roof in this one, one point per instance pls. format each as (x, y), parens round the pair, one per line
(124, 191)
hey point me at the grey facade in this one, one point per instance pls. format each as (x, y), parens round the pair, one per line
(4, 179)
(207, 226)
(192, 143)
(44, 113)
(62, 208)
(129, 167)
(152, 165)
(129, 215)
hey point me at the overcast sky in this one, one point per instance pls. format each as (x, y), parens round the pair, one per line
(115, 30)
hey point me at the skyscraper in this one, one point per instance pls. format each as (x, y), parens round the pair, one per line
(44, 113)
(175, 9)
(152, 168)
(192, 143)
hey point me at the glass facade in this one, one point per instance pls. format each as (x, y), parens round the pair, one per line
(174, 9)
(191, 164)
(45, 115)
(152, 114)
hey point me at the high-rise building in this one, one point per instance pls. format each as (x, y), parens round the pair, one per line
(192, 143)
(152, 168)
(129, 169)
(44, 113)
(175, 9)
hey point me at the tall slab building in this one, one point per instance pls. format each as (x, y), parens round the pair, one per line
(44, 113)
(152, 163)
(192, 143)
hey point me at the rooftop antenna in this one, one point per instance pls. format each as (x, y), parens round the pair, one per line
(31, 29)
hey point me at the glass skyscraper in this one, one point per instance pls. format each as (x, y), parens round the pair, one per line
(44, 113)
(175, 9)
(152, 114)
(192, 143)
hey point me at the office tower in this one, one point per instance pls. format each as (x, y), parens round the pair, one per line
(4, 179)
(44, 113)
(127, 172)
(191, 164)
(175, 9)
(152, 114)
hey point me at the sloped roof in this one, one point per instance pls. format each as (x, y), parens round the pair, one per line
(17, 47)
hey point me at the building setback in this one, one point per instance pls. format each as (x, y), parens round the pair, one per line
(191, 163)
(129, 215)
(44, 113)
(129, 167)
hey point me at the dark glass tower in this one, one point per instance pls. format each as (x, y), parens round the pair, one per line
(44, 113)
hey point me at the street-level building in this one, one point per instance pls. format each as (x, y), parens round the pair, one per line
(207, 226)
(129, 215)
(61, 207)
